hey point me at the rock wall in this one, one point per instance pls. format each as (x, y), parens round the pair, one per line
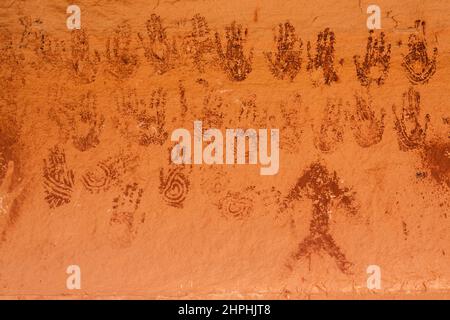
(85, 150)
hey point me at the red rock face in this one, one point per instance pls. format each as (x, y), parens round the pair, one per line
(360, 203)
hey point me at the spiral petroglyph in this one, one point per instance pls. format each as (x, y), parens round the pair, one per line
(174, 186)
(236, 205)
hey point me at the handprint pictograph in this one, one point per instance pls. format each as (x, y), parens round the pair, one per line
(367, 128)
(125, 221)
(293, 120)
(58, 178)
(48, 49)
(236, 64)
(287, 61)
(141, 121)
(248, 111)
(77, 118)
(410, 132)
(12, 195)
(159, 51)
(11, 122)
(121, 59)
(331, 128)
(83, 63)
(11, 60)
(375, 66)
(418, 63)
(213, 109)
(3, 165)
(446, 120)
(321, 66)
(201, 44)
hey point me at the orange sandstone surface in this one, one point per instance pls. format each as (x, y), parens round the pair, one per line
(86, 176)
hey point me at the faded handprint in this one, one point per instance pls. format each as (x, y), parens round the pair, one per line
(31, 33)
(367, 128)
(83, 63)
(87, 124)
(140, 121)
(158, 49)
(10, 134)
(234, 62)
(124, 223)
(11, 121)
(122, 60)
(331, 132)
(11, 198)
(321, 66)
(249, 114)
(419, 66)
(78, 119)
(411, 134)
(200, 43)
(47, 48)
(248, 111)
(213, 110)
(183, 102)
(3, 166)
(287, 61)
(291, 130)
(11, 61)
(375, 67)
(446, 121)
